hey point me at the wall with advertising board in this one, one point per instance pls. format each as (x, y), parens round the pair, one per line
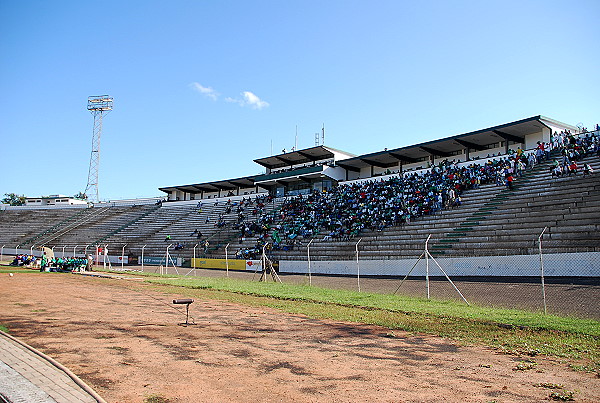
(160, 261)
(234, 264)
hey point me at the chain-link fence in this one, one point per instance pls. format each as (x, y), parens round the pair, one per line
(560, 283)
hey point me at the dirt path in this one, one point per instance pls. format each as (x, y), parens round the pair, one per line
(123, 339)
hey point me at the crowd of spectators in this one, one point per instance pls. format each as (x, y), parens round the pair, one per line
(54, 264)
(64, 263)
(572, 150)
(24, 260)
(343, 212)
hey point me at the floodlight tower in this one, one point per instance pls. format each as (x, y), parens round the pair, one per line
(98, 105)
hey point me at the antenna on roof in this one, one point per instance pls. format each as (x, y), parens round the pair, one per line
(296, 140)
(323, 135)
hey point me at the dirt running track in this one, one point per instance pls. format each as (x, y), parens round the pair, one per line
(122, 338)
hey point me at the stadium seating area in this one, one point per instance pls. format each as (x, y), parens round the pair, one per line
(494, 219)
(467, 208)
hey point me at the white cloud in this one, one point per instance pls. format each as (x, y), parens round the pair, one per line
(254, 101)
(206, 91)
(249, 99)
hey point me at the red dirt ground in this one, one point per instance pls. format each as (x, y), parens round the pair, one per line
(123, 339)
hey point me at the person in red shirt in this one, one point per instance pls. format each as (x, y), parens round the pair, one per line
(509, 181)
(573, 168)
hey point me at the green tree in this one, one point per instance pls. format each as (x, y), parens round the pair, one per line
(13, 199)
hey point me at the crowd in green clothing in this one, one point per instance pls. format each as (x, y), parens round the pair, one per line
(63, 263)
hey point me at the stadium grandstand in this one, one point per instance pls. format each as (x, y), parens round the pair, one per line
(485, 193)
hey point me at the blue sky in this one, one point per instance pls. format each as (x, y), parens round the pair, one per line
(202, 88)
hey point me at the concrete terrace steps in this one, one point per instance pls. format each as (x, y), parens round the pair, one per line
(98, 226)
(30, 225)
(179, 222)
(68, 222)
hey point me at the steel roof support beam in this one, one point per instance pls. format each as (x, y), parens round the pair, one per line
(435, 152)
(404, 158)
(241, 184)
(286, 161)
(511, 137)
(310, 157)
(348, 167)
(379, 164)
(470, 145)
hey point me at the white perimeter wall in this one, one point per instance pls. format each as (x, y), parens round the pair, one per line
(561, 264)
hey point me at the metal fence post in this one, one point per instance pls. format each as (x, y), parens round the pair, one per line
(542, 269)
(123, 257)
(427, 264)
(106, 257)
(143, 257)
(227, 260)
(194, 260)
(357, 265)
(168, 259)
(308, 255)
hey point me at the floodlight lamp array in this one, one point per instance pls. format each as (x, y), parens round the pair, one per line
(100, 103)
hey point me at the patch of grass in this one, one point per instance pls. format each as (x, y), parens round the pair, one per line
(525, 366)
(563, 395)
(13, 269)
(4, 328)
(593, 368)
(156, 398)
(548, 385)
